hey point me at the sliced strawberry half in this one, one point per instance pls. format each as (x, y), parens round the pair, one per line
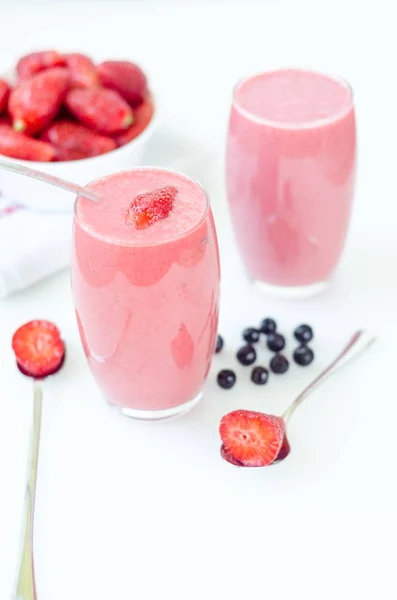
(150, 207)
(252, 438)
(38, 348)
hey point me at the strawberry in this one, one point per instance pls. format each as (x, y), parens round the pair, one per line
(124, 77)
(100, 109)
(33, 63)
(142, 117)
(38, 348)
(147, 208)
(82, 70)
(35, 102)
(19, 145)
(71, 137)
(4, 93)
(252, 438)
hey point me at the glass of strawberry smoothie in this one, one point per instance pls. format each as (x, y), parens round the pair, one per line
(291, 155)
(145, 279)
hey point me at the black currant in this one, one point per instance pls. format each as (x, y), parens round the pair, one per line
(251, 335)
(259, 375)
(303, 356)
(279, 364)
(275, 342)
(246, 355)
(268, 326)
(219, 344)
(226, 379)
(303, 333)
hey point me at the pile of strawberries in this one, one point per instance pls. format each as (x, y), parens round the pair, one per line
(64, 107)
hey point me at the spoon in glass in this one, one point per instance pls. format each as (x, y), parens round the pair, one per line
(57, 181)
(40, 352)
(359, 342)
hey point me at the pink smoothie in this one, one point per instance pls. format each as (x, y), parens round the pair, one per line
(146, 299)
(290, 174)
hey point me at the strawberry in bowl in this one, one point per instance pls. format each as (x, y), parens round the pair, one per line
(66, 115)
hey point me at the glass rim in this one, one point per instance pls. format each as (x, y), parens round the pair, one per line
(143, 244)
(293, 125)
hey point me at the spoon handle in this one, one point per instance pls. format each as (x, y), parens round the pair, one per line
(357, 344)
(26, 588)
(51, 179)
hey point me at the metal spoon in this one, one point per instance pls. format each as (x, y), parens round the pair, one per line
(26, 587)
(61, 183)
(359, 342)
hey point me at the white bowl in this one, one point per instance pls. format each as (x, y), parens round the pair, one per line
(41, 196)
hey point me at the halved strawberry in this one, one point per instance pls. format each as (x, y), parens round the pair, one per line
(38, 348)
(252, 438)
(147, 208)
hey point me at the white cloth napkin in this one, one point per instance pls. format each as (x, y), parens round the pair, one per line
(33, 245)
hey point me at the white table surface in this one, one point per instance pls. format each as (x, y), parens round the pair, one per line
(148, 511)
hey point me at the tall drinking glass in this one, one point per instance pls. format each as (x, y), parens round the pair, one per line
(291, 155)
(146, 294)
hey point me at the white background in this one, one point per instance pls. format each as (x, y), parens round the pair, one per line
(149, 511)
